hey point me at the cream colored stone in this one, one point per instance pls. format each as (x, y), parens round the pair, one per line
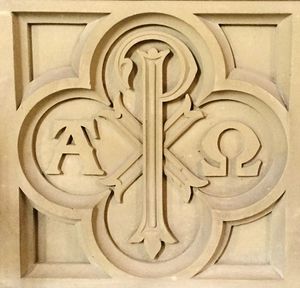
(150, 144)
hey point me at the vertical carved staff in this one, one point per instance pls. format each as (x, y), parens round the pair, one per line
(153, 229)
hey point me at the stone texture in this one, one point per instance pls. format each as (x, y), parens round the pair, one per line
(149, 144)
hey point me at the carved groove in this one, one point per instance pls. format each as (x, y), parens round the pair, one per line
(149, 127)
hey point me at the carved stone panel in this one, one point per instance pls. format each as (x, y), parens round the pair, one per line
(150, 142)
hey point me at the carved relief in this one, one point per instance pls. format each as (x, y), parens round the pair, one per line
(153, 148)
(73, 139)
(234, 163)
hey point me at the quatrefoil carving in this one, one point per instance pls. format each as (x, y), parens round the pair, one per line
(159, 124)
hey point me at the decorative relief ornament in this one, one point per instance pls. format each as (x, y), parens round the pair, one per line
(151, 146)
